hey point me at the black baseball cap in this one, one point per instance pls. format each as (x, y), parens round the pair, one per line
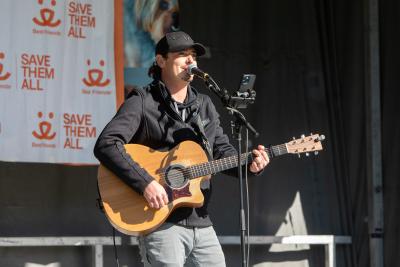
(178, 41)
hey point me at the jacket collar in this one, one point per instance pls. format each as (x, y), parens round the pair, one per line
(190, 100)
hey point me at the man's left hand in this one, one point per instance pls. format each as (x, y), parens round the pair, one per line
(260, 159)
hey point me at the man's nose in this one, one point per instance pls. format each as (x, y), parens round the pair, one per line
(189, 59)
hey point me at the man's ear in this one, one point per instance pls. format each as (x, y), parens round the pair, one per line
(160, 61)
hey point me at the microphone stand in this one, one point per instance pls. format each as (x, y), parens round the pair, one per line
(237, 125)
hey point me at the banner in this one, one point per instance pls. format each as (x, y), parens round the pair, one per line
(57, 78)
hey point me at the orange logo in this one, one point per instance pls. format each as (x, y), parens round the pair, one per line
(47, 16)
(6, 75)
(95, 76)
(44, 128)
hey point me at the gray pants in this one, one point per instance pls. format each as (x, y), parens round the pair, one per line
(176, 246)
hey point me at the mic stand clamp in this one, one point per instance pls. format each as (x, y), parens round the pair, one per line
(236, 129)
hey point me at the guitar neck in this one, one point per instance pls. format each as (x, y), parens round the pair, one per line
(227, 163)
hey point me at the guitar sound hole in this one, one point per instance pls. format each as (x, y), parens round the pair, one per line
(175, 177)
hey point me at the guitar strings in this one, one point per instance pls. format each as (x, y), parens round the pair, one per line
(198, 170)
(205, 168)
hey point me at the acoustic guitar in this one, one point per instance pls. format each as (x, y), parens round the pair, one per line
(181, 171)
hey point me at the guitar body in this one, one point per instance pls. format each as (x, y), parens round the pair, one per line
(128, 211)
(181, 171)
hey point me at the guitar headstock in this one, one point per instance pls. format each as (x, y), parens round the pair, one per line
(305, 144)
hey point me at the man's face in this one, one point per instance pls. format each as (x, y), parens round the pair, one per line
(175, 65)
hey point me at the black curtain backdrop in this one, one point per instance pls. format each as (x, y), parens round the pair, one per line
(390, 66)
(309, 58)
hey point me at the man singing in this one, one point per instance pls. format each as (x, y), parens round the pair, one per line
(165, 113)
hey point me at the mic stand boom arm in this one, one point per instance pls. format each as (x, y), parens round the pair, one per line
(213, 86)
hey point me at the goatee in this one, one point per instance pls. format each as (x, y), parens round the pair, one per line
(186, 77)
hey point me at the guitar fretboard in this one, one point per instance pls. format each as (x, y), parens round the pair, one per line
(227, 163)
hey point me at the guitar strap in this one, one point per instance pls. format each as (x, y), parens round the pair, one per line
(205, 184)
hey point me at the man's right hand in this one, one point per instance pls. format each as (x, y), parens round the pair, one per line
(155, 195)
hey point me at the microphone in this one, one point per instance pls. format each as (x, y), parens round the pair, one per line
(193, 69)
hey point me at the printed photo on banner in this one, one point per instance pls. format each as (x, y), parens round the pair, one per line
(145, 23)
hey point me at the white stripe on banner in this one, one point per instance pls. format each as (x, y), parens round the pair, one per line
(57, 78)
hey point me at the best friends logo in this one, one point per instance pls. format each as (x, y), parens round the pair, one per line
(44, 132)
(46, 19)
(4, 75)
(95, 79)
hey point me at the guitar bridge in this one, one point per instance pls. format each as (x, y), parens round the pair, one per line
(174, 194)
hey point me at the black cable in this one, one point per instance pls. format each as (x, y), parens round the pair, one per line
(115, 248)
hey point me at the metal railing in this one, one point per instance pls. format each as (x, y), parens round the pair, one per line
(329, 241)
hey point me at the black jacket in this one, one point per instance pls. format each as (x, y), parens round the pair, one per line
(149, 117)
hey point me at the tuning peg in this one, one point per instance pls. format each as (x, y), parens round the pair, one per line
(315, 153)
(303, 136)
(299, 155)
(321, 137)
(307, 154)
